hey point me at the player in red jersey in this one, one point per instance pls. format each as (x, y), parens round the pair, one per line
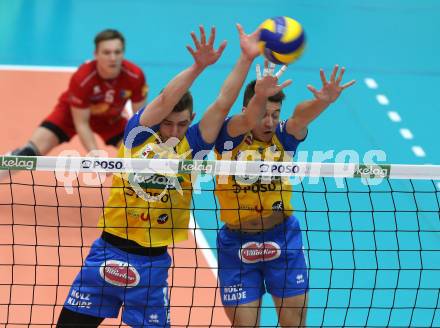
(94, 101)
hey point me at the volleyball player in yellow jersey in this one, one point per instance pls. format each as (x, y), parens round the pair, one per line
(260, 245)
(129, 264)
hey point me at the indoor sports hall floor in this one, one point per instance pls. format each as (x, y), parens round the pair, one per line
(390, 47)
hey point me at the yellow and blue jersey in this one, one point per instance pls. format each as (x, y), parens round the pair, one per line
(245, 198)
(163, 221)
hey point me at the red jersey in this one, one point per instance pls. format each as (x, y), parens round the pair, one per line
(105, 98)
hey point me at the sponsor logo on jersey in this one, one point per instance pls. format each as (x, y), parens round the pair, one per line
(146, 195)
(234, 293)
(162, 218)
(155, 181)
(255, 188)
(17, 163)
(144, 217)
(278, 206)
(300, 279)
(154, 318)
(256, 208)
(138, 215)
(254, 252)
(79, 299)
(119, 273)
(147, 150)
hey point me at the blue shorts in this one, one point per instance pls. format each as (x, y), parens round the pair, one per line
(111, 278)
(250, 264)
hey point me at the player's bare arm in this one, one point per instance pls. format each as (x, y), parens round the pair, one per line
(81, 120)
(138, 105)
(308, 111)
(214, 117)
(204, 55)
(265, 87)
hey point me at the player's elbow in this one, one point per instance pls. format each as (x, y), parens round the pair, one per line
(298, 123)
(223, 106)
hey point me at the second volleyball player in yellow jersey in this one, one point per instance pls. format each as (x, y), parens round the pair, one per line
(128, 265)
(260, 245)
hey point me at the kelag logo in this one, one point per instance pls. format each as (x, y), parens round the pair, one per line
(187, 166)
(18, 163)
(372, 171)
(155, 181)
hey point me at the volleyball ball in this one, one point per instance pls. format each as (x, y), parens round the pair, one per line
(282, 40)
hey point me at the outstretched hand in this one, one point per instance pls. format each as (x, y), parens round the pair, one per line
(249, 42)
(331, 90)
(205, 54)
(267, 84)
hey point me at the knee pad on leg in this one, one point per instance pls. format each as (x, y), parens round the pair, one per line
(29, 150)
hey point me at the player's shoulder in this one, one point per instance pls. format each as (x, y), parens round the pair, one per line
(131, 70)
(85, 73)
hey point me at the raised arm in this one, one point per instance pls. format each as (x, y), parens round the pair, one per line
(309, 110)
(204, 55)
(214, 117)
(138, 105)
(265, 87)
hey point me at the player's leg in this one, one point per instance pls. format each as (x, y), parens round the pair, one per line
(44, 140)
(71, 319)
(286, 276)
(241, 281)
(55, 129)
(244, 315)
(291, 310)
(90, 294)
(146, 302)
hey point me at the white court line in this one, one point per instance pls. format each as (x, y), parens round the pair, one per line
(418, 151)
(37, 68)
(371, 83)
(394, 116)
(383, 100)
(203, 245)
(406, 134)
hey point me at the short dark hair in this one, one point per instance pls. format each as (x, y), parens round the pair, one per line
(250, 91)
(109, 34)
(186, 102)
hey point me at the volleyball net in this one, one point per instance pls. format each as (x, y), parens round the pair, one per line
(371, 235)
